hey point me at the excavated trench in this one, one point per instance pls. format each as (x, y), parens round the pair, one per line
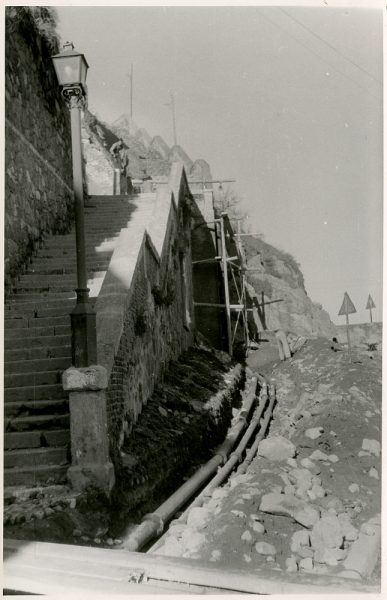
(184, 421)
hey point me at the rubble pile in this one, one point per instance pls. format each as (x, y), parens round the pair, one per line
(309, 502)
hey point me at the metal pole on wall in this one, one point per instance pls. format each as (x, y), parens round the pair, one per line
(83, 317)
(71, 68)
(225, 282)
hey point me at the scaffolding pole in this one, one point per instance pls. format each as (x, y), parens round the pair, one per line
(225, 283)
(222, 234)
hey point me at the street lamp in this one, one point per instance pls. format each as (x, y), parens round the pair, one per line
(71, 69)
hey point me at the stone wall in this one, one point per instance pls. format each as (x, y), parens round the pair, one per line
(145, 309)
(99, 168)
(38, 171)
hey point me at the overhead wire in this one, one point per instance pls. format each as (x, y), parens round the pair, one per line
(318, 55)
(316, 35)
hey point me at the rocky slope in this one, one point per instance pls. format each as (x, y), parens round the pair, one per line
(277, 276)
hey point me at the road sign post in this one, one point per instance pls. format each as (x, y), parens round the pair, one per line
(346, 309)
(370, 306)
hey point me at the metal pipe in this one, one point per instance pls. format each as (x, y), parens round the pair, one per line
(153, 523)
(228, 467)
(234, 458)
(254, 448)
(76, 143)
(83, 318)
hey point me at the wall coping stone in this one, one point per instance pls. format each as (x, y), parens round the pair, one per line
(116, 290)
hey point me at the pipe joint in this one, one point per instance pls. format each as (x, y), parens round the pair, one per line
(223, 454)
(156, 519)
(242, 419)
(238, 455)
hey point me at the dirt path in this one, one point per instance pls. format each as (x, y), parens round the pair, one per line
(310, 504)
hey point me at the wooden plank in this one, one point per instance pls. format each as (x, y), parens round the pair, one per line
(56, 559)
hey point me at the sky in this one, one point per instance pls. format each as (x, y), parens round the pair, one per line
(285, 100)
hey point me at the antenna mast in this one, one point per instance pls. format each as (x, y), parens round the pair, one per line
(131, 91)
(173, 118)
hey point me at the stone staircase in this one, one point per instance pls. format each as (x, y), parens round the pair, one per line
(37, 340)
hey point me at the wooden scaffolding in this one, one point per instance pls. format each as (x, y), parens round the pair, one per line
(233, 269)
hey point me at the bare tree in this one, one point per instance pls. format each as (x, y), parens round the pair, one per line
(227, 201)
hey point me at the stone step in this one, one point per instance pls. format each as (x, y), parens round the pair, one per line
(34, 332)
(36, 439)
(48, 267)
(36, 422)
(35, 365)
(47, 281)
(54, 279)
(35, 353)
(42, 341)
(41, 297)
(59, 254)
(35, 475)
(34, 392)
(37, 286)
(18, 380)
(45, 303)
(90, 242)
(35, 457)
(35, 407)
(27, 323)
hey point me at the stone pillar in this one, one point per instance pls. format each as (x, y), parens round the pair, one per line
(91, 465)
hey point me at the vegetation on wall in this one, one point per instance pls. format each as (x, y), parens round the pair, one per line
(41, 20)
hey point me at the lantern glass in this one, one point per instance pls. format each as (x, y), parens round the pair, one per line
(70, 67)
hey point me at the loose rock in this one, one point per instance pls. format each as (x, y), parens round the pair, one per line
(265, 548)
(371, 446)
(301, 478)
(306, 516)
(257, 527)
(326, 533)
(246, 536)
(299, 538)
(318, 455)
(291, 565)
(276, 448)
(353, 488)
(198, 517)
(314, 432)
(306, 564)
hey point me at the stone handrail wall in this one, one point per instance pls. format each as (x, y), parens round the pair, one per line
(38, 172)
(144, 309)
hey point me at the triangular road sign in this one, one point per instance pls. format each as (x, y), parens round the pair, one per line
(370, 303)
(347, 307)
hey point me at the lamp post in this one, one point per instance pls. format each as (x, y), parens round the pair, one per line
(71, 69)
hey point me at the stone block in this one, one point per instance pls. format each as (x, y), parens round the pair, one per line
(84, 476)
(364, 554)
(92, 378)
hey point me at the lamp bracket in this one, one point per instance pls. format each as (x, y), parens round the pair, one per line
(74, 96)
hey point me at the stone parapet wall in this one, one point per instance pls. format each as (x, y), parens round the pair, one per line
(144, 310)
(38, 171)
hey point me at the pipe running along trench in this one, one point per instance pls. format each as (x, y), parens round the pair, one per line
(235, 456)
(153, 524)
